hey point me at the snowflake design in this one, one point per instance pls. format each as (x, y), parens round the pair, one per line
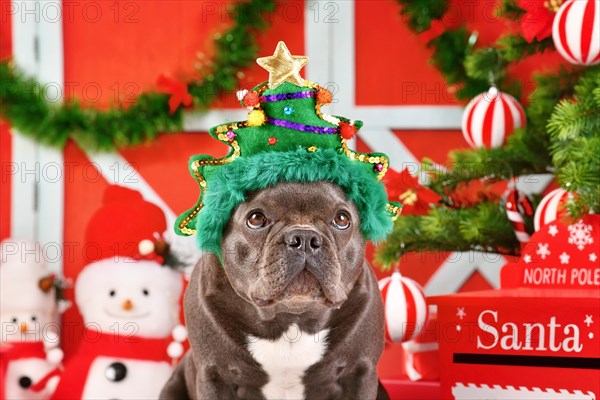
(553, 230)
(580, 234)
(564, 258)
(542, 250)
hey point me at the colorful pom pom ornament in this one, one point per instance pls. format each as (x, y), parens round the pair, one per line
(347, 130)
(324, 96)
(256, 118)
(251, 99)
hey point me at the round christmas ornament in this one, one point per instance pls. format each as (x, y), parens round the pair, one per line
(286, 138)
(551, 208)
(128, 295)
(576, 31)
(490, 118)
(405, 307)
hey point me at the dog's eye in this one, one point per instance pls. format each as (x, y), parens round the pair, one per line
(256, 220)
(341, 220)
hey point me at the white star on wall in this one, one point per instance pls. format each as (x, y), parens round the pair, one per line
(564, 258)
(588, 320)
(553, 230)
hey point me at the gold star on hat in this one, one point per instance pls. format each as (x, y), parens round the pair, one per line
(283, 66)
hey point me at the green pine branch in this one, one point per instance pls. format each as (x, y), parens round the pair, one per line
(420, 13)
(574, 129)
(483, 227)
(23, 101)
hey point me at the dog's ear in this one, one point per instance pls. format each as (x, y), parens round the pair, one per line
(211, 278)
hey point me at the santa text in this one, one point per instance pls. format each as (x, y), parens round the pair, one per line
(548, 335)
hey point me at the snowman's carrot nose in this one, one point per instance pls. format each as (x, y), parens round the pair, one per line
(127, 305)
(23, 327)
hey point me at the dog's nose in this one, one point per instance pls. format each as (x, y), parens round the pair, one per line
(304, 239)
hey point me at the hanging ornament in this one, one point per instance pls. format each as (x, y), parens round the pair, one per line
(518, 204)
(405, 307)
(551, 208)
(576, 31)
(490, 118)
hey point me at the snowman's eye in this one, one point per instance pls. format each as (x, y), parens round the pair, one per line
(145, 292)
(112, 293)
(25, 382)
(14, 320)
(33, 318)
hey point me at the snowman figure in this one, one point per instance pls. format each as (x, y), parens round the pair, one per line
(29, 354)
(129, 300)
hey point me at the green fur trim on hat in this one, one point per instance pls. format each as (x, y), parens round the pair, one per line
(231, 182)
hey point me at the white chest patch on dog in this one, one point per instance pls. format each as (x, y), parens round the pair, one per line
(286, 359)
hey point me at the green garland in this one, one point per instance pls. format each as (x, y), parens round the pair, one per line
(23, 103)
(562, 136)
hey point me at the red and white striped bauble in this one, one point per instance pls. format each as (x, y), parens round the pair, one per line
(551, 208)
(576, 31)
(490, 118)
(405, 307)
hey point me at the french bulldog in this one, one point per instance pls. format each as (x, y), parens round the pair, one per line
(292, 311)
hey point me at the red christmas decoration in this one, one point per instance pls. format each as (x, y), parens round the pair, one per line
(538, 18)
(178, 91)
(490, 118)
(516, 205)
(347, 131)
(576, 31)
(405, 307)
(405, 188)
(251, 99)
(551, 208)
(272, 140)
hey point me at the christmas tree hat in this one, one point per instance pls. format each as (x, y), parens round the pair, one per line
(286, 138)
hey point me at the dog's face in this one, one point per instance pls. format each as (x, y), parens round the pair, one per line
(294, 247)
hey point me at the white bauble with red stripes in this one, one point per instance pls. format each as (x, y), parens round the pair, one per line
(551, 208)
(490, 118)
(405, 308)
(576, 31)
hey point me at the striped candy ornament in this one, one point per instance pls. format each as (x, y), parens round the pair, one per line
(517, 202)
(576, 31)
(551, 208)
(405, 308)
(490, 118)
